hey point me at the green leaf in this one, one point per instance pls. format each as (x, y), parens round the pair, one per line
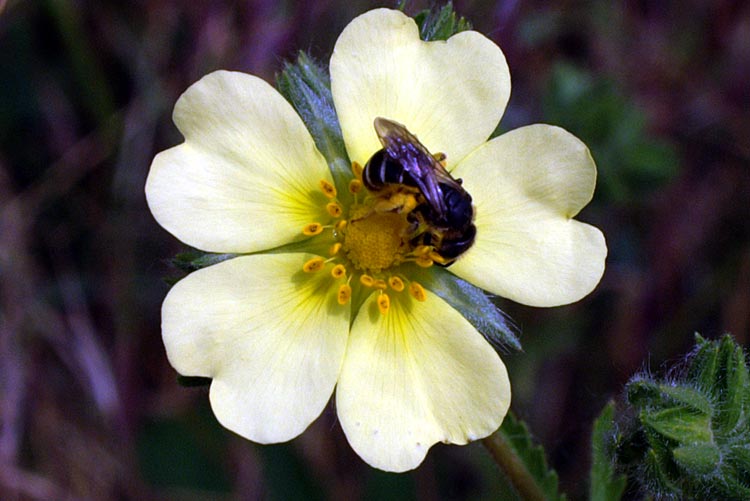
(523, 461)
(440, 24)
(307, 86)
(606, 484)
(473, 303)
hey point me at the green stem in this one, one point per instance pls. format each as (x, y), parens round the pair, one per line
(513, 467)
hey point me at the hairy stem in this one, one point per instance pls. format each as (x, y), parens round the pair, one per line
(513, 467)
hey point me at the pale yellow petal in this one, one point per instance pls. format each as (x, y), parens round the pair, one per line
(271, 337)
(450, 94)
(418, 375)
(246, 178)
(527, 185)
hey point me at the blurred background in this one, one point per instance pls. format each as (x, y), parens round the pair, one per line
(89, 406)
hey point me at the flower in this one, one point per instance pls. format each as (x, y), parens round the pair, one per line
(323, 294)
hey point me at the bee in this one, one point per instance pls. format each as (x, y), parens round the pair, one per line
(441, 207)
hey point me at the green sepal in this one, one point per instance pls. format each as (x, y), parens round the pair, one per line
(697, 459)
(440, 23)
(194, 259)
(307, 86)
(193, 381)
(679, 424)
(644, 392)
(472, 302)
(605, 483)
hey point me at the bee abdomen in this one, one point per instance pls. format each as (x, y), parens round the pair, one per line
(381, 170)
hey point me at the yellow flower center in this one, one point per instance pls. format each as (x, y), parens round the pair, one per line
(374, 241)
(369, 240)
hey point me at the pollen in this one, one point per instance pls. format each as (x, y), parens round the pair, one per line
(384, 303)
(313, 265)
(366, 280)
(374, 240)
(355, 186)
(417, 292)
(328, 189)
(312, 229)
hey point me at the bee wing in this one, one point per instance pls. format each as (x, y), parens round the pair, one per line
(404, 147)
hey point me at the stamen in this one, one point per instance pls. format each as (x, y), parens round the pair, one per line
(396, 283)
(340, 225)
(329, 190)
(355, 186)
(312, 229)
(422, 250)
(440, 157)
(357, 169)
(335, 248)
(345, 294)
(384, 303)
(334, 209)
(338, 271)
(366, 280)
(313, 265)
(424, 261)
(438, 258)
(417, 292)
(380, 284)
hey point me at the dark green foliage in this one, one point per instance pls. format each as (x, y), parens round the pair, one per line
(193, 381)
(632, 162)
(691, 434)
(515, 435)
(605, 483)
(440, 23)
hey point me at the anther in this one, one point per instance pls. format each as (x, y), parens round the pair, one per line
(312, 229)
(345, 294)
(334, 209)
(357, 169)
(396, 283)
(366, 280)
(335, 248)
(380, 284)
(355, 186)
(424, 261)
(384, 303)
(338, 271)
(340, 225)
(441, 158)
(438, 258)
(329, 190)
(422, 250)
(417, 291)
(313, 265)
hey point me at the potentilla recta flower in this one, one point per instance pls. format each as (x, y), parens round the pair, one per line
(324, 293)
